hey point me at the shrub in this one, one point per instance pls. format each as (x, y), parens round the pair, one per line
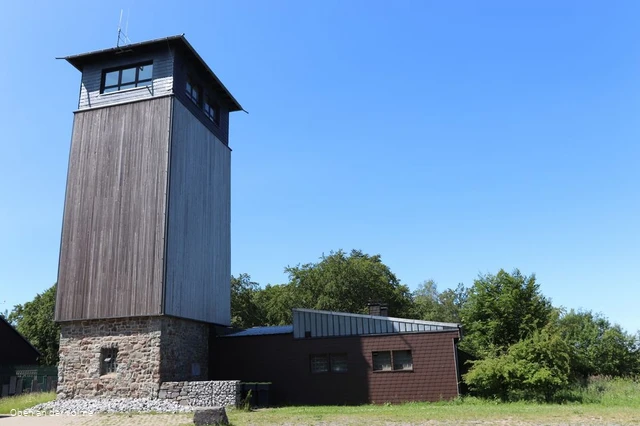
(534, 368)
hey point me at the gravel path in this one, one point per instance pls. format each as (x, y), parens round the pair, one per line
(110, 405)
(102, 412)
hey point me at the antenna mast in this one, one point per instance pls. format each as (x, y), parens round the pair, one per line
(124, 38)
(119, 29)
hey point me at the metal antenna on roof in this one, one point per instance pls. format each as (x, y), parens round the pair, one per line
(119, 29)
(123, 37)
(126, 28)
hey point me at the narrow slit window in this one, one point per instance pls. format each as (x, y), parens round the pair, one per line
(108, 360)
(211, 110)
(193, 92)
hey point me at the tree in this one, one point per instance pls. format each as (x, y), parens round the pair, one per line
(582, 331)
(617, 353)
(432, 305)
(275, 303)
(244, 311)
(533, 368)
(502, 310)
(426, 303)
(346, 283)
(452, 301)
(597, 347)
(34, 320)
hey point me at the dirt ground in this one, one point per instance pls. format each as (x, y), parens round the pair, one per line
(100, 420)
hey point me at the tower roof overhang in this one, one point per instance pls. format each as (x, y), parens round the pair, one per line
(178, 41)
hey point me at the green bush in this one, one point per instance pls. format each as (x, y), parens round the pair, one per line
(535, 368)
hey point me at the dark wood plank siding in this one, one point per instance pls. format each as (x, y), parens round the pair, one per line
(90, 96)
(111, 260)
(198, 234)
(183, 69)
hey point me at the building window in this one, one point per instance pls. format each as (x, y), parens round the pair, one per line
(324, 363)
(108, 362)
(402, 360)
(211, 110)
(392, 361)
(319, 364)
(338, 363)
(382, 361)
(193, 92)
(127, 77)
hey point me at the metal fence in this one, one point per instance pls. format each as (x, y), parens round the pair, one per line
(18, 379)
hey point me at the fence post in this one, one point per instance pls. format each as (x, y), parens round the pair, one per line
(12, 385)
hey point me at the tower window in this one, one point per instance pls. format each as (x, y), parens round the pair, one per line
(193, 92)
(108, 362)
(127, 77)
(211, 110)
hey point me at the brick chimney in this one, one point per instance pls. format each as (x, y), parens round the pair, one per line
(378, 309)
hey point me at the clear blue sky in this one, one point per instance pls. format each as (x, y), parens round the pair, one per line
(452, 139)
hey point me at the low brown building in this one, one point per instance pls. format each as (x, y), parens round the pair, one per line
(340, 358)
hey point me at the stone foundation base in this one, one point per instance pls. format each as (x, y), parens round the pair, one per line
(148, 351)
(223, 393)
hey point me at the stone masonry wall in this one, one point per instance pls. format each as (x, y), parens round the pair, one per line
(202, 394)
(185, 350)
(138, 360)
(150, 350)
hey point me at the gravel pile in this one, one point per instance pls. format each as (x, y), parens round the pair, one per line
(112, 405)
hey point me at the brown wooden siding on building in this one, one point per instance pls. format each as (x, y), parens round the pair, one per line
(285, 362)
(111, 260)
(198, 266)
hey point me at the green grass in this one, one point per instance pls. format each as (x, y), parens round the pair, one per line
(604, 401)
(421, 412)
(23, 401)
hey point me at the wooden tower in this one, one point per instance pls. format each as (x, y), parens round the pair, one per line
(145, 254)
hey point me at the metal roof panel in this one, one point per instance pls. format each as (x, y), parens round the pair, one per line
(263, 331)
